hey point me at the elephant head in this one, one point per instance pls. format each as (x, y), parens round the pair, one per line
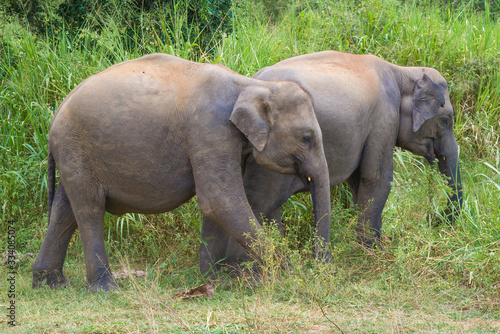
(426, 127)
(280, 123)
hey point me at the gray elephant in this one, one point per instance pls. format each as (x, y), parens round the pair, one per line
(365, 107)
(148, 134)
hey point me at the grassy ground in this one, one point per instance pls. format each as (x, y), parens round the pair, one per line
(426, 279)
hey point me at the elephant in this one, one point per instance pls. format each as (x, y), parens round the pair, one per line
(365, 107)
(146, 135)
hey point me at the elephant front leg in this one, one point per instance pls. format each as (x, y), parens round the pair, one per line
(371, 204)
(371, 186)
(266, 191)
(226, 211)
(213, 248)
(236, 220)
(220, 249)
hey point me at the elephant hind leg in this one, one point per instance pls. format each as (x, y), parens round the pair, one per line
(370, 189)
(48, 266)
(87, 196)
(88, 204)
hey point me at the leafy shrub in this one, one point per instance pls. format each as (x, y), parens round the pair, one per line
(206, 20)
(24, 9)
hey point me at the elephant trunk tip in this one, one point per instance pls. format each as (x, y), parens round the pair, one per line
(449, 166)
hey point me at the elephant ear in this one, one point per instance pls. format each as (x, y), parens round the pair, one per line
(251, 115)
(428, 97)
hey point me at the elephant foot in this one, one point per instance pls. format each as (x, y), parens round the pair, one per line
(103, 284)
(322, 254)
(370, 243)
(446, 217)
(225, 271)
(368, 238)
(221, 272)
(54, 279)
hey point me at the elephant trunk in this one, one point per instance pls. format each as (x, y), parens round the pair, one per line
(320, 193)
(448, 165)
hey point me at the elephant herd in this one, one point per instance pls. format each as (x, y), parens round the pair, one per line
(148, 134)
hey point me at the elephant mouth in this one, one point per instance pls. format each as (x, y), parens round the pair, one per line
(431, 153)
(299, 171)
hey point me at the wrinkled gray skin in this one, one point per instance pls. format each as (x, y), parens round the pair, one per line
(365, 107)
(146, 135)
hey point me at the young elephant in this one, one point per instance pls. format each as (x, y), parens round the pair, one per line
(365, 107)
(148, 134)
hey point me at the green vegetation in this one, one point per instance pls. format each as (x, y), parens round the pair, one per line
(426, 279)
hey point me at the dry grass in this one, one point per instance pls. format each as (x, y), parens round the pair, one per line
(372, 305)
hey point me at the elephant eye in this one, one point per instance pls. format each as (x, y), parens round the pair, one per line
(444, 122)
(307, 138)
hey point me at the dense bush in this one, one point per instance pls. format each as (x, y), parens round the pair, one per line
(206, 20)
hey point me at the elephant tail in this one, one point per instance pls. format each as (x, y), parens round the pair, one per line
(51, 181)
